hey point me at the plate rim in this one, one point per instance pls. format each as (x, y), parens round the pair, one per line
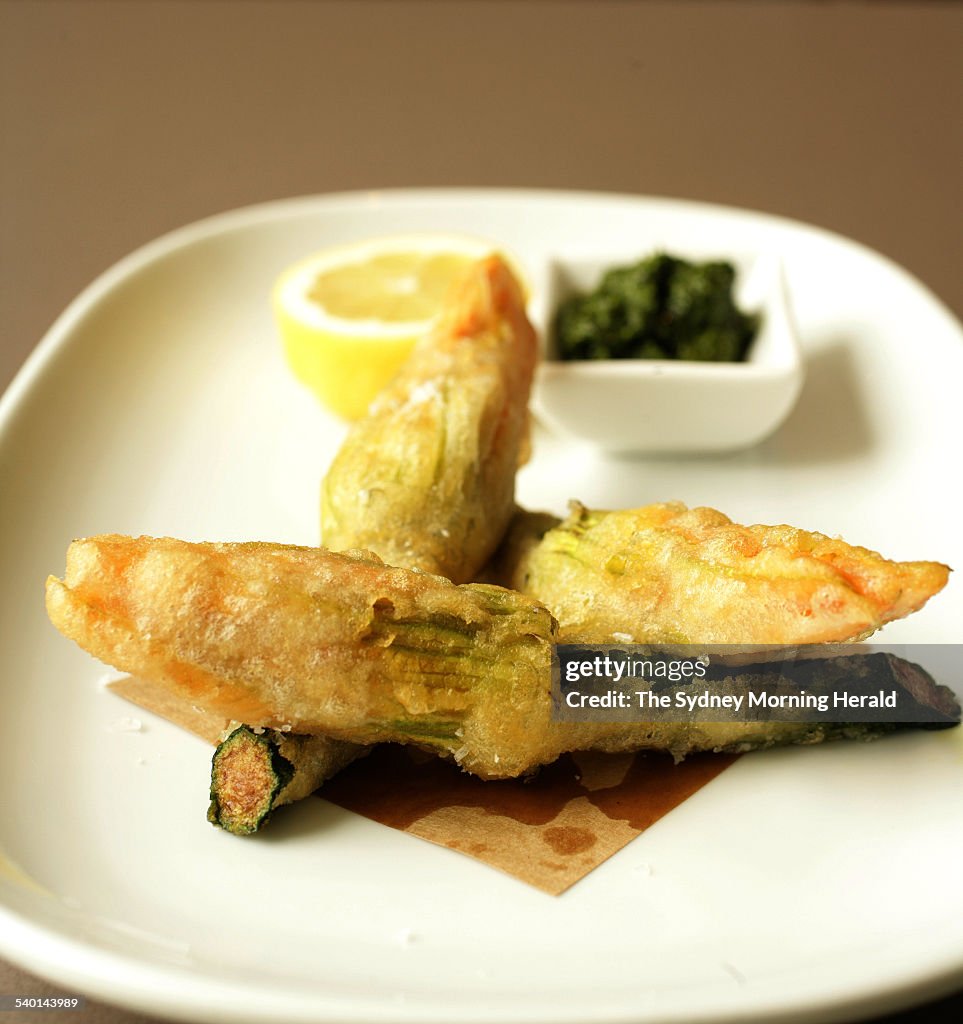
(180, 993)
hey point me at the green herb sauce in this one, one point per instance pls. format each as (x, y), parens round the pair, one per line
(660, 308)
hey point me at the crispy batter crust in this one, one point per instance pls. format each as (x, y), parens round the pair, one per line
(669, 574)
(427, 478)
(343, 646)
(314, 641)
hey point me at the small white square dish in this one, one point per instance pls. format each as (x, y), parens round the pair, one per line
(672, 405)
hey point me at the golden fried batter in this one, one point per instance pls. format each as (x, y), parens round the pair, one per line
(312, 641)
(344, 646)
(669, 574)
(427, 478)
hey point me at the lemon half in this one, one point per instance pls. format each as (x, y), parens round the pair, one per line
(349, 316)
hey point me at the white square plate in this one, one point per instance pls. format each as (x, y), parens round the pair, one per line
(807, 883)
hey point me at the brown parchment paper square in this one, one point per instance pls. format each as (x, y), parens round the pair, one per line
(550, 830)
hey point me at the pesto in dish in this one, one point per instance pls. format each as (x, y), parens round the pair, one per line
(660, 308)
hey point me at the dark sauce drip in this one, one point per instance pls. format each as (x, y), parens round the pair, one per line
(398, 788)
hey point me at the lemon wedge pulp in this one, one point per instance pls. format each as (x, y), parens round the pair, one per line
(349, 316)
